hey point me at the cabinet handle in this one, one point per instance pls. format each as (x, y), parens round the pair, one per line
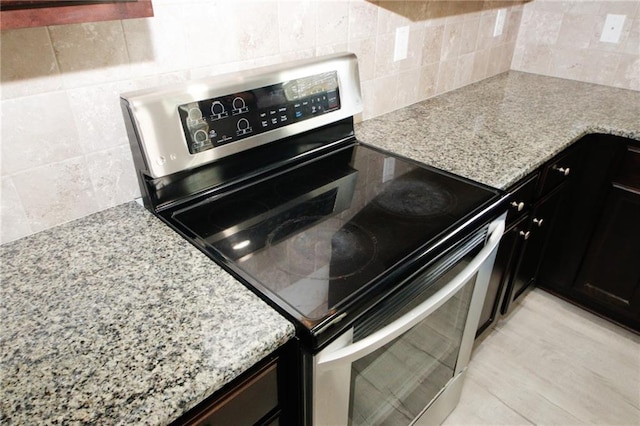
(564, 171)
(518, 205)
(538, 221)
(525, 235)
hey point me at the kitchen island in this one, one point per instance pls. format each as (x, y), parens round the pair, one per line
(115, 319)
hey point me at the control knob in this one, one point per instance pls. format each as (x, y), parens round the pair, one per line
(218, 111)
(243, 127)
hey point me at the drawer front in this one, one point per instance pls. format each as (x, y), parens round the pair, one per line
(247, 404)
(522, 198)
(561, 169)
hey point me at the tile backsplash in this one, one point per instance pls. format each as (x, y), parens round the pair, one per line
(562, 39)
(65, 152)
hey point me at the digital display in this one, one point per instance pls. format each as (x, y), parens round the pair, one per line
(225, 119)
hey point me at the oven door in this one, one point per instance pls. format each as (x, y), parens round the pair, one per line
(403, 363)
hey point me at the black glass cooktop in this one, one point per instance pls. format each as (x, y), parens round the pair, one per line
(317, 235)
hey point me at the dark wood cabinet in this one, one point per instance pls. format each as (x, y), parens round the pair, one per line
(511, 245)
(38, 13)
(267, 394)
(593, 258)
(536, 202)
(535, 236)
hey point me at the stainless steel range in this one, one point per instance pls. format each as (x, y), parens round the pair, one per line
(381, 262)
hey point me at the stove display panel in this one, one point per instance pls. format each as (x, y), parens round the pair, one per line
(213, 122)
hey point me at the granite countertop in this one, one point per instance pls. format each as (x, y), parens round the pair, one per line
(499, 130)
(115, 319)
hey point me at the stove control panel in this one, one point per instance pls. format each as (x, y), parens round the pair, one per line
(210, 123)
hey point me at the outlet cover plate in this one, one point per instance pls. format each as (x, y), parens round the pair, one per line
(402, 43)
(500, 18)
(612, 28)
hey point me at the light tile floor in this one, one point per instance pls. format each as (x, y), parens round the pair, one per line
(551, 363)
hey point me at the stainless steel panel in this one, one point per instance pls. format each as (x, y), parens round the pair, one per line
(155, 119)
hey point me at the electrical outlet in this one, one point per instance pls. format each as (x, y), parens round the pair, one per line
(402, 43)
(612, 28)
(502, 16)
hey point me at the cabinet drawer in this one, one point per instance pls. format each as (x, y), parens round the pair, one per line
(559, 170)
(247, 404)
(522, 198)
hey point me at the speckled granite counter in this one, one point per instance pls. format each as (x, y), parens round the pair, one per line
(115, 319)
(500, 129)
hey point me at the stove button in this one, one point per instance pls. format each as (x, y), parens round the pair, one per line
(243, 127)
(200, 137)
(239, 106)
(218, 111)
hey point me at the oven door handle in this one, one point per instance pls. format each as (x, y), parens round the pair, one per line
(364, 347)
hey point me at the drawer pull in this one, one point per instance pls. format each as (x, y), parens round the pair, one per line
(519, 206)
(538, 221)
(525, 235)
(564, 171)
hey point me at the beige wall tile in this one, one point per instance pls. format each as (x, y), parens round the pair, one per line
(297, 25)
(632, 44)
(408, 88)
(28, 63)
(630, 8)
(211, 33)
(447, 75)
(333, 22)
(480, 65)
(576, 52)
(56, 193)
(90, 53)
(37, 130)
(470, 32)
(379, 96)
(628, 72)
(97, 115)
(255, 26)
(157, 45)
(113, 177)
(363, 19)
(432, 44)
(579, 30)
(452, 40)
(13, 218)
(428, 80)
(365, 50)
(464, 70)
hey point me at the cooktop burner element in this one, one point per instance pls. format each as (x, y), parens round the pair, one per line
(415, 198)
(329, 250)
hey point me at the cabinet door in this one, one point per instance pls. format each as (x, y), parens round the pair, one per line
(507, 253)
(518, 236)
(580, 212)
(535, 237)
(610, 275)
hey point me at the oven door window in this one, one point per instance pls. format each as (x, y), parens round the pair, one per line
(394, 384)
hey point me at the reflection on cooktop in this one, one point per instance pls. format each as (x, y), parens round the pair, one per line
(345, 247)
(415, 198)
